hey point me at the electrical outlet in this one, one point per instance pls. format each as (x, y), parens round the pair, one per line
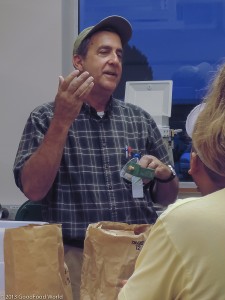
(12, 209)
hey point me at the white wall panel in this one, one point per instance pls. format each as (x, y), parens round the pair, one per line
(35, 48)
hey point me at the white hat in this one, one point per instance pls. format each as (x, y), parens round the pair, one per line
(192, 117)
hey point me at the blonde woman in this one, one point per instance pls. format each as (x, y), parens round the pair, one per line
(183, 257)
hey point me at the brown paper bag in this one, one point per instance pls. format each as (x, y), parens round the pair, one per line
(110, 253)
(34, 263)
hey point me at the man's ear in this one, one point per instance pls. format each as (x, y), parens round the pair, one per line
(193, 163)
(78, 62)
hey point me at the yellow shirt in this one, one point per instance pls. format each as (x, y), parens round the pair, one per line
(184, 255)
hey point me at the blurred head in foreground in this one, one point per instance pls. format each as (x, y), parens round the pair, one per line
(208, 138)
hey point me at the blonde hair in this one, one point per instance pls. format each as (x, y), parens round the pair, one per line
(209, 131)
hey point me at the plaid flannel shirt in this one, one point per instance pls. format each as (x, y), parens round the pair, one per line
(88, 187)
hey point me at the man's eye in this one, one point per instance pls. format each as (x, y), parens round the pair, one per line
(120, 55)
(103, 52)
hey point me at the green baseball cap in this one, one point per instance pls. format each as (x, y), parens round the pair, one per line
(121, 25)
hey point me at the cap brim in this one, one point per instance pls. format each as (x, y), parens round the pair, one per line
(121, 25)
(192, 117)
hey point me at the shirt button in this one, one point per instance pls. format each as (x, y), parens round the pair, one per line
(110, 187)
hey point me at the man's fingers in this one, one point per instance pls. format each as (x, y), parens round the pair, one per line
(87, 91)
(146, 160)
(61, 79)
(79, 86)
(77, 82)
(85, 88)
(121, 283)
(65, 82)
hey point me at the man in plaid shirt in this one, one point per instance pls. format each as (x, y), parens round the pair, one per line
(73, 149)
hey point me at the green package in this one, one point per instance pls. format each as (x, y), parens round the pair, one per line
(136, 170)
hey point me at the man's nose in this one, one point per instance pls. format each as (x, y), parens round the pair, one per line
(114, 58)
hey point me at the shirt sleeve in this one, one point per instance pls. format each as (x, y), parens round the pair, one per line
(33, 135)
(156, 145)
(158, 272)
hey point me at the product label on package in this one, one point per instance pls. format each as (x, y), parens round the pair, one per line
(139, 244)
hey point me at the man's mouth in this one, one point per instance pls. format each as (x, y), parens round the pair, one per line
(110, 73)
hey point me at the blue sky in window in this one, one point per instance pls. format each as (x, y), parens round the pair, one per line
(177, 37)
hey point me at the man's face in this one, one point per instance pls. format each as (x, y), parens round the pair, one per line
(104, 61)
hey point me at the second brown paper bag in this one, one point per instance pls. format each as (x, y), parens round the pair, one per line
(110, 253)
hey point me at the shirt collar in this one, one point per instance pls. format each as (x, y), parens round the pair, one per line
(91, 111)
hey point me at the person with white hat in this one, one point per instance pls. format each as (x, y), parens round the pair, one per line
(183, 257)
(73, 149)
